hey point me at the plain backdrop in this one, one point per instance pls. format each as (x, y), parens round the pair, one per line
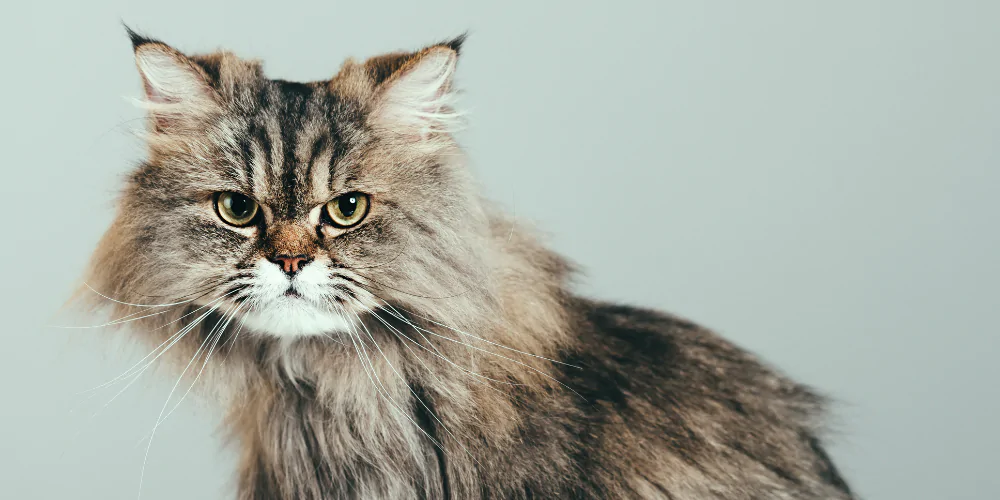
(817, 181)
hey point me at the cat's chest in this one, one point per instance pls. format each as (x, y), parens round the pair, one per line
(370, 449)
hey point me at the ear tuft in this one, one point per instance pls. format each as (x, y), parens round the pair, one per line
(137, 39)
(170, 77)
(178, 93)
(456, 43)
(418, 97)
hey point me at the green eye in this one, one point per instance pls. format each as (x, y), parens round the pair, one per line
(235, 209)
(347, 210)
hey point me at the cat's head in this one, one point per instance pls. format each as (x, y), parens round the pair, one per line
(299, 205)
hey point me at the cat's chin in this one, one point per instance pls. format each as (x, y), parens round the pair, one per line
(295, 318)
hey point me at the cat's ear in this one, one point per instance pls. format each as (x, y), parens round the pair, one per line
(414, 92)
(177, 89)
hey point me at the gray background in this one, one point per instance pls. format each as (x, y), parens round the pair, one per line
(817, 182)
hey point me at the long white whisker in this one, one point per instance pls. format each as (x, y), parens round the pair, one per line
(131, 369)
(488, 341)
(232, 344)
(361, 359)
(196, 310)
(410, 349)
(386, 395)
(415, 396)
(407, 321)
(401, 317)
(445, 358)
(218, 337)
(137, 305)
(546, 375)
(124, 319)
(152, 434)
(376, 386)
(184, 331)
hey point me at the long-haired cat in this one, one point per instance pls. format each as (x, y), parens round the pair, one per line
(315, 255)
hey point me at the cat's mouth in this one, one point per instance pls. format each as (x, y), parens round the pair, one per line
(301, 306)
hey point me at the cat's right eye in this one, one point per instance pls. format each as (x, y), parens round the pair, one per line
(235, 209)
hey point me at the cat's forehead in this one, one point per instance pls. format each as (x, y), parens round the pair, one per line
(287, 141)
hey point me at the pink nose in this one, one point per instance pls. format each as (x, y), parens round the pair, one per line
(291, 264)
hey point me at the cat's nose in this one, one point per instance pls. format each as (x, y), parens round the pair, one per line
(291, 264)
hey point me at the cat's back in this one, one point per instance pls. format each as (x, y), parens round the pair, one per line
(688, 414)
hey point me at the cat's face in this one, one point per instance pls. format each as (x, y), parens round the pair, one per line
(295, 206)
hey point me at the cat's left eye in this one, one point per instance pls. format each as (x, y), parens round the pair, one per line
(235, 209)
(348, 209)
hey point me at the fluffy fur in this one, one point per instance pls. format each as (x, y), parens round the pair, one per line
(432, 351)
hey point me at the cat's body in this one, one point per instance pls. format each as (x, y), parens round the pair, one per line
(405, 340)
(664, 410)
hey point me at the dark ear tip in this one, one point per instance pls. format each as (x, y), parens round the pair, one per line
(137, 39)
(456, 43)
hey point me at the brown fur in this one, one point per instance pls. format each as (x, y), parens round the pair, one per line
(481, 375)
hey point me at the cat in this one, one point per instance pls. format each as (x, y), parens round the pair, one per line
(316, 258)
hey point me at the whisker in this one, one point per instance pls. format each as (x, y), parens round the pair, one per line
(386, 392)
(111, 322)
(237, 287)
(334, 339)
(546, 375)
(390, 261)
(209, 287)
(142, 473)
(129, 317)
(408, 322)
(383, 285)
(127, 372)
(232, 344)
(119, 321)
(184, 331)
(136, 305)
(208, 357)
(412, 352)
(439, 354)
(487, 341)
(417, 397)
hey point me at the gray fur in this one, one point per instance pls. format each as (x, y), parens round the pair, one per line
(470, 369)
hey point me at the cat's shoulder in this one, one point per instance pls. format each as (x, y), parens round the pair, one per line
(648, 332)
(657, 351)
